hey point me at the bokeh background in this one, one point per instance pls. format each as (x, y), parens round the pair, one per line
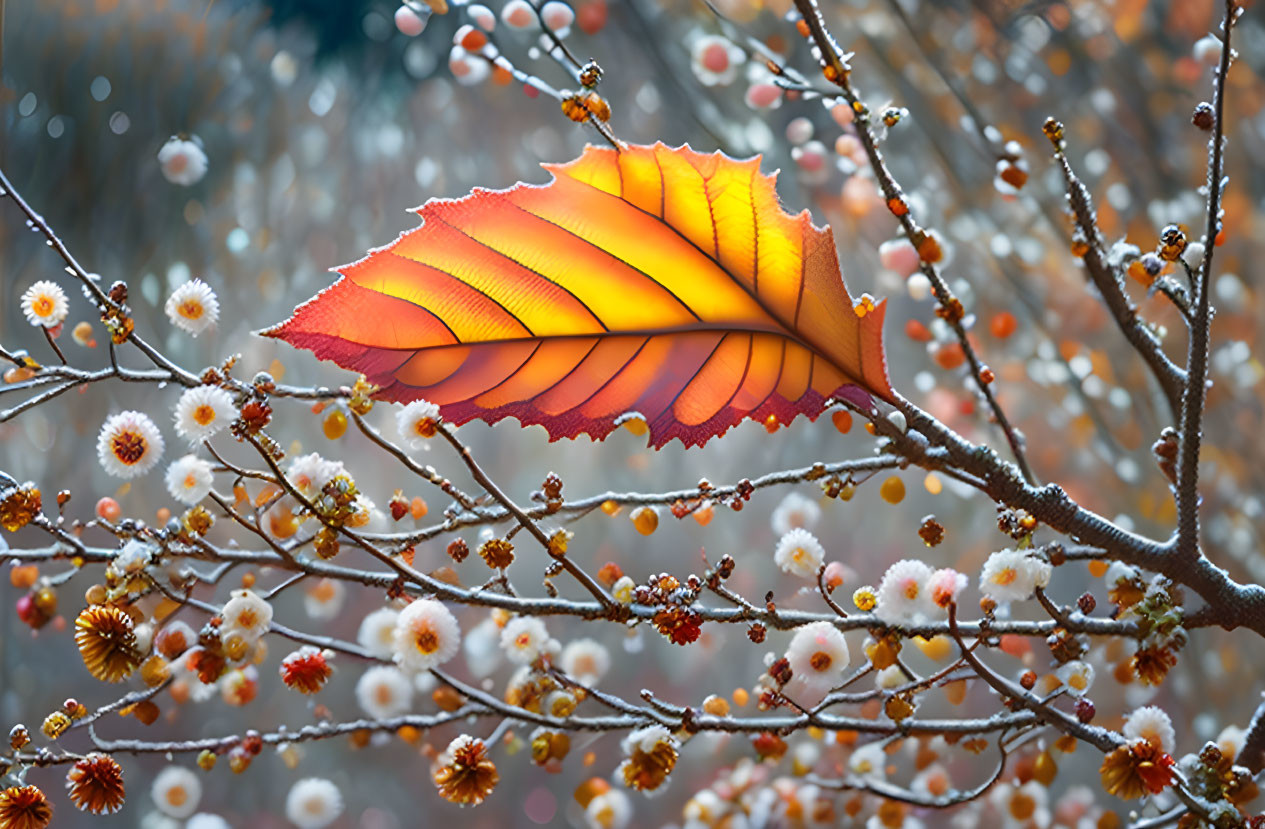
(323, 124)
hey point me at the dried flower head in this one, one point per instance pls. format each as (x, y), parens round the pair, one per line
(19, 506)
(1151, 663)
(193, 307)
(418, 422)
(652, 754)
(44, 303)
(1136, 769)
(498, 553)
(203, 411)
(95, 784)
(313, 803)
(24, 807)
(465, 774)
(176, 792)
(306, 670)
(106, 637)
(129, 444)
(426, 635)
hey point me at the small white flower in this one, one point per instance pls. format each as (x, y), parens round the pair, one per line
(1077, 676)
(246, 614)
(890, 677)
(206, 820)
(608, 810)
(182, 160)
(523, 638)
(310, 473)
(933, 781)
(193, 307)
(176, 791)
(586, 661)
(129, 444)
(704, 808)
(417, 422)
(869, 761)
(384, 691)
(189, 479)
(482, 648)
(324, 599)
(313, 803)
(1012, 575)
(716, 60)
(903, 596)
(426, 635)
(202, 411)
(818, 654)
(944, 587)
(799, 553)
(377, 632)
(1152, 724)
(795, 512)
(44, 303)
(1021, 806)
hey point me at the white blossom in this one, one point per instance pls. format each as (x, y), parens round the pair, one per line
(176, 791)
(246, 614)
(1152, 724)
(129, 444)
(44, 303)
(193, 307)
(384, 691)
(1012, 575)
(189, 479)
(799, 553)
(203, 411)
(903, 597)
(313, 803)
(818, 654)
(182, 160)
(426, 635)
(523, 638)
(377, 632)
(416, 423)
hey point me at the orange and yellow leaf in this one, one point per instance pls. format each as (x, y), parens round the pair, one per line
(652, 280)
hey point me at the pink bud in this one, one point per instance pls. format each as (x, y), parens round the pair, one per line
(517, 14)
(763, 95)
(408, 21)
(898, 256)
(715, 57)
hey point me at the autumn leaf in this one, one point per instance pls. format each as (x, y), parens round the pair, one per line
(655, 281)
